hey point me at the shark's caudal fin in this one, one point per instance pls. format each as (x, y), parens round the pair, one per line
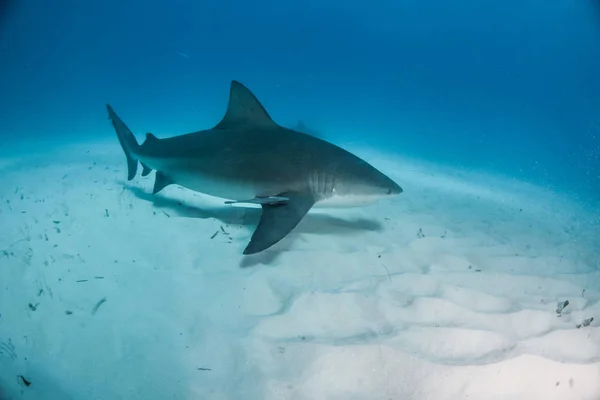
(128, 143)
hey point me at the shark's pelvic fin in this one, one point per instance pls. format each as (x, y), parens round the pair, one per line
(277, 220)
(261, 200)
(244, 109)
(146, 170)
(161, 182)
(128, 143)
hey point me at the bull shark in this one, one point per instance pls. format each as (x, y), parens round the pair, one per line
(249, 158)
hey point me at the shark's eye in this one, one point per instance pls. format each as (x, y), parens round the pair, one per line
(389, 191)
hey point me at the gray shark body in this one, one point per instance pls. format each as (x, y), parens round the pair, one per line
(248, 158)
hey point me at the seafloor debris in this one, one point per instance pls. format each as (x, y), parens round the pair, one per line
(98, 304)
(8, 349)
(222, 231)
(561, 306)
(586, 322)
(25, 381)
(229, 239)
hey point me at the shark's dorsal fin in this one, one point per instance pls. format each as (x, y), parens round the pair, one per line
(150, 138)
(244, 109)
(146, 171)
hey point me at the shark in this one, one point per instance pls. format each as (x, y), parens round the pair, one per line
(248, 158)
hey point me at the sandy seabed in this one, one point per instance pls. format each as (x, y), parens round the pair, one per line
(448, 291)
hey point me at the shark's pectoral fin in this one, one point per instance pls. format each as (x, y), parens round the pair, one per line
(161, 182)
(278, 219)
(261, 200)
(146, 170)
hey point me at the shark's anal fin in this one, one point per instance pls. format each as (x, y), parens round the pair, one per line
(244, 109)
(161, 182)
(260, 200)
(277, 220)
(146, 170)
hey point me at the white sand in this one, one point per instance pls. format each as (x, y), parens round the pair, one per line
(352, 305)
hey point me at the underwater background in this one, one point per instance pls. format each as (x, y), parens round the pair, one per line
(511, 87)
(481, 280)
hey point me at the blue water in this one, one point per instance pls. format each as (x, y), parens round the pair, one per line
(510, 87)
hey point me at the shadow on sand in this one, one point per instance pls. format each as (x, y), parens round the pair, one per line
(313, 223)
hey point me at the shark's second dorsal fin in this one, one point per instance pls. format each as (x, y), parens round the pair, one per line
(244, 109)
(150, 138)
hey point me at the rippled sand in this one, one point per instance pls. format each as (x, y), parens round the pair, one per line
(448, 291)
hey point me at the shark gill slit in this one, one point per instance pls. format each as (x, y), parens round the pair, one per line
(321, 184)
